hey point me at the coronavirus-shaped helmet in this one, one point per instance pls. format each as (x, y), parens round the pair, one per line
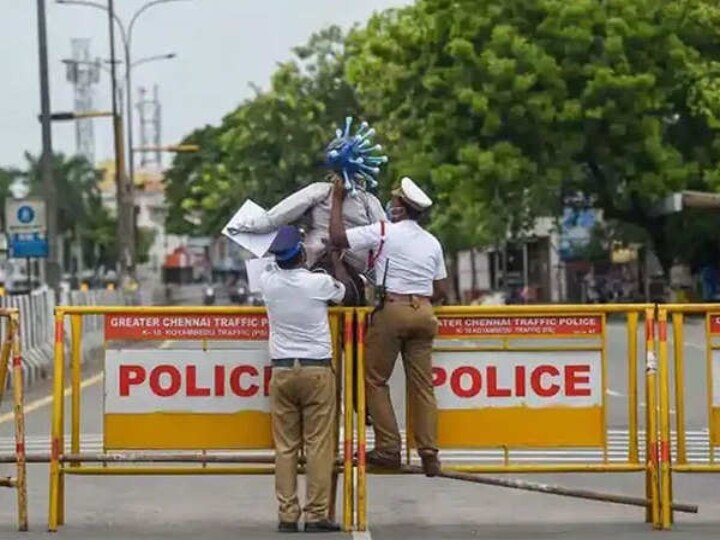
(354, 157)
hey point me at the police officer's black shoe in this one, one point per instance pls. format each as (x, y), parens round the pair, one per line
(383, 460)
(288, 527)
(430, 464)
(322, 526)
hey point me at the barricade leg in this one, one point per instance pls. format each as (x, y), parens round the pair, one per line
(651, 475)
(348, 370)
(361, 464)
(632, 324)
(678, 341)
(19, 425)
(76, 348)
(5, 359)
(334, 333)
(54, 518)
(664, 447)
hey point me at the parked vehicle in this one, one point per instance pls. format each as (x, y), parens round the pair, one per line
(209, 295)
(255, 299)
(238, 292)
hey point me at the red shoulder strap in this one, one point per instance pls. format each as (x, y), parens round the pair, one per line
(372, 258)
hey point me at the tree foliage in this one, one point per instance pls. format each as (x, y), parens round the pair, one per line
(79, 204)
(504, 106)
(269, 146)
(501, 108)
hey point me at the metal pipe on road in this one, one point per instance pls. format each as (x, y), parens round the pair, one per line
(552, 489)
(7, 482)
(144, 457)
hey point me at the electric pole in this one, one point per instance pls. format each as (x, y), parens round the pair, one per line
(52, 273)
(124, 195)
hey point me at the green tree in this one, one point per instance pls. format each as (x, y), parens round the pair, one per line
(76, 188)
(502, 106)
(80, 208)
(269, 146)
(7, 177)
(187, 171)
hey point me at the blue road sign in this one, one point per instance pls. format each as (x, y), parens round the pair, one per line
(28, 246)
(26, 214)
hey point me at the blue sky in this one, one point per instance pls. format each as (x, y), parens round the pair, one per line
(222, 45)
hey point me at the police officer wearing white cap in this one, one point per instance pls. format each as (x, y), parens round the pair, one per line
(302, 388)
(410, 270)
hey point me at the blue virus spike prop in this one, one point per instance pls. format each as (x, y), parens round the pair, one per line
(354, 157)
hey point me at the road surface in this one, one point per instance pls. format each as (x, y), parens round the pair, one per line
(210, 508)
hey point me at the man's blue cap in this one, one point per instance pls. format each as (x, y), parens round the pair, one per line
(286, 243)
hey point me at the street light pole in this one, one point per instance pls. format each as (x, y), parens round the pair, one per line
(131, 158)
(125, 186)
(125, 243)
(46, 160)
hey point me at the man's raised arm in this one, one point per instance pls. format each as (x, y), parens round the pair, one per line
(338, 236)
(290, 209)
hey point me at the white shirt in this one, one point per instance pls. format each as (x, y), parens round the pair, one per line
(297, 303)
(415, 256)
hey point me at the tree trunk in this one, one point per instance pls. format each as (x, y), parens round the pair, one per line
(473, 270)
(658, 235)
(454, 274)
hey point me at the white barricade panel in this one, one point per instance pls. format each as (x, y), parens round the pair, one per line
(187, 398)
(495, 388)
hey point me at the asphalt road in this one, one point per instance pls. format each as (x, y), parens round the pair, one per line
(115, 508)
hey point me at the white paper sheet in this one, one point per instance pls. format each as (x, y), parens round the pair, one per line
(254, 268)
(257, 244)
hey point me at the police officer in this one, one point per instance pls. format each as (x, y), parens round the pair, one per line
(302, 388)
(410, 268)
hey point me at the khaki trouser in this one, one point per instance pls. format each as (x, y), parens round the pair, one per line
(407, 328)
(303, 410)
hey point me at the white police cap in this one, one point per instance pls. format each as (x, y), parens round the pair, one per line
(410, 192)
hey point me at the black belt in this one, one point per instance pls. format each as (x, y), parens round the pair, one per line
(304, 362)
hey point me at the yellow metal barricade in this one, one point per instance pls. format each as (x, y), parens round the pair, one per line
(519, 378)
(704, 330)
(193, 404)
(11, 358)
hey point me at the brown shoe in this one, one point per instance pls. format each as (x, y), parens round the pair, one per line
(430, 464)
(389, 460)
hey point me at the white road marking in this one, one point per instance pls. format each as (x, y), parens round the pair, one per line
(613, 393)
(695, 346)
(697, 443)
(362, 535)
(47, 400)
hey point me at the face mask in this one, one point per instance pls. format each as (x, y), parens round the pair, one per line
(396, 213)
